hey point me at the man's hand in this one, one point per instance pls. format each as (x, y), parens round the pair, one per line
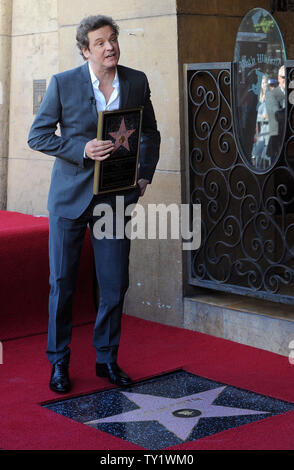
(99, 149)
(143, 185)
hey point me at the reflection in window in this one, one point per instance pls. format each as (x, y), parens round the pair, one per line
(259, 89)
(259, 156)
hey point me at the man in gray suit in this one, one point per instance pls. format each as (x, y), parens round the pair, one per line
(73, 100)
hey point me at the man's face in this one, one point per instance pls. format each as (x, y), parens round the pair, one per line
(103, 52)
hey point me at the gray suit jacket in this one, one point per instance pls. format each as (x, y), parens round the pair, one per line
(69, 103)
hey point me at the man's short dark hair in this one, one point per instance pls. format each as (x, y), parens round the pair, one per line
(91, 23)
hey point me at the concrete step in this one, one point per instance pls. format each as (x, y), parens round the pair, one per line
(254, 322)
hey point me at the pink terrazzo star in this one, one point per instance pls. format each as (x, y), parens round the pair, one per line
(178, 415)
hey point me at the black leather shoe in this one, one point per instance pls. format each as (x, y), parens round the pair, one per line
(60, 381)
(113, 372)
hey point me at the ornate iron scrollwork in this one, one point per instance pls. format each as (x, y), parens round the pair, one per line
(247, 217)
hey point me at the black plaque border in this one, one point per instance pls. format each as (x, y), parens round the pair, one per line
(99, 186)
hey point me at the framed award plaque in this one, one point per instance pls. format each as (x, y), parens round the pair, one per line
(119, 170)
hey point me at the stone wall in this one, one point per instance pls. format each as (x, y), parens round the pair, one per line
(35, 56)
(5, 56)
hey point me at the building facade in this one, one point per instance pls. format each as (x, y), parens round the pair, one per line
(37, 39)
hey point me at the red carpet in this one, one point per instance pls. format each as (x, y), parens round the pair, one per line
(147, 349)
(25, 374)
(24, 277)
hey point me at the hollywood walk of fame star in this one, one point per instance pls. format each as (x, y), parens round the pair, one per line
(121, 136)
(178, 415)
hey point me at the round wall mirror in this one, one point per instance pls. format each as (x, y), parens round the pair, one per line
(259, 90)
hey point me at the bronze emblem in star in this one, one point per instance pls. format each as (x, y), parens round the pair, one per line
(121, 136)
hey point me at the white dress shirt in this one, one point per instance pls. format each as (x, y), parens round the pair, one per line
(113, 102)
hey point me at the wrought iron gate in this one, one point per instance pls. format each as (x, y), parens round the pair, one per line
(247, 217)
